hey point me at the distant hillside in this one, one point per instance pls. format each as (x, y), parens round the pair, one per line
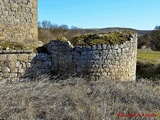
(112, 29)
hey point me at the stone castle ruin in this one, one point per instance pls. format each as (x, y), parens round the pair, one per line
(19, 23)
(111, 62)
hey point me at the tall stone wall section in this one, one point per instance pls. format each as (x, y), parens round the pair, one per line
(110, 62)
(19, 20)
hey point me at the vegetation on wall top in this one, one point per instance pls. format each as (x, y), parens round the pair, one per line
(9, 45)
(103, 38)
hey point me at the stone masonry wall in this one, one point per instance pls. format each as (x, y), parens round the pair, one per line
(15, 64)
(18, 20)
(111, 62)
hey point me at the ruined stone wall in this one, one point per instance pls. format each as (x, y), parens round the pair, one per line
(110, 62)
(18, 21)
(16, 64)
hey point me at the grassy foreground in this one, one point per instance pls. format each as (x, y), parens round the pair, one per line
(78, 99)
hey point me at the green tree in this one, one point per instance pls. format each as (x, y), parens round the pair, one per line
(155, 36)
(144, 40)
(157, 27)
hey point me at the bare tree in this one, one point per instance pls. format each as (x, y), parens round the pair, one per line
(46, 24)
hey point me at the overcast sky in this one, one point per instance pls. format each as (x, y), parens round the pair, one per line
(138, 14)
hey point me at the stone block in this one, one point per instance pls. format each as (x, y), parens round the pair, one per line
(2, 63)
(6, 75)
(104, 74)
(84, 53)
(28, 64)
(18, 64)
(117, 63)
(12, 66)
(106, 70)
(54, 48)
(110, 57)
(105, 52)
(23, 57)
(78, 57)
(13, 75)
(67, 44)
(20, 70)
(104, 46)
(127, 49)
(115, 46)
(98, 47)
(93, 47)
(95, 57)
(119, 50)
(108, 46)
(6, 70)
(79, 69)
(31, 56)
(87, 48)
(78, 48)
(41, 57)
(3, 57)
(12, 57)
(69, 59)
(53, 43)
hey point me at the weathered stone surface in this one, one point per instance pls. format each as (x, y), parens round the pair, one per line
(104, 46)
(20, 70)
(98, 47)
(12, 66)
(17, 63)
(6, 70)
(115, 46)
(12, 57)
(54, 47)
(96, 57)
(86, 48)
(93, 47)
(119, 50)
(31, 56)
(21, 19)
(78, 48)
(3, 57)
(23, 57)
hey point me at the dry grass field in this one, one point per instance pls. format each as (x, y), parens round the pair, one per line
(46, 98)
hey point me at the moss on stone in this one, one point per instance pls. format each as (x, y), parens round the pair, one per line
(15, 46)
(11, 45)
(107, 38)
